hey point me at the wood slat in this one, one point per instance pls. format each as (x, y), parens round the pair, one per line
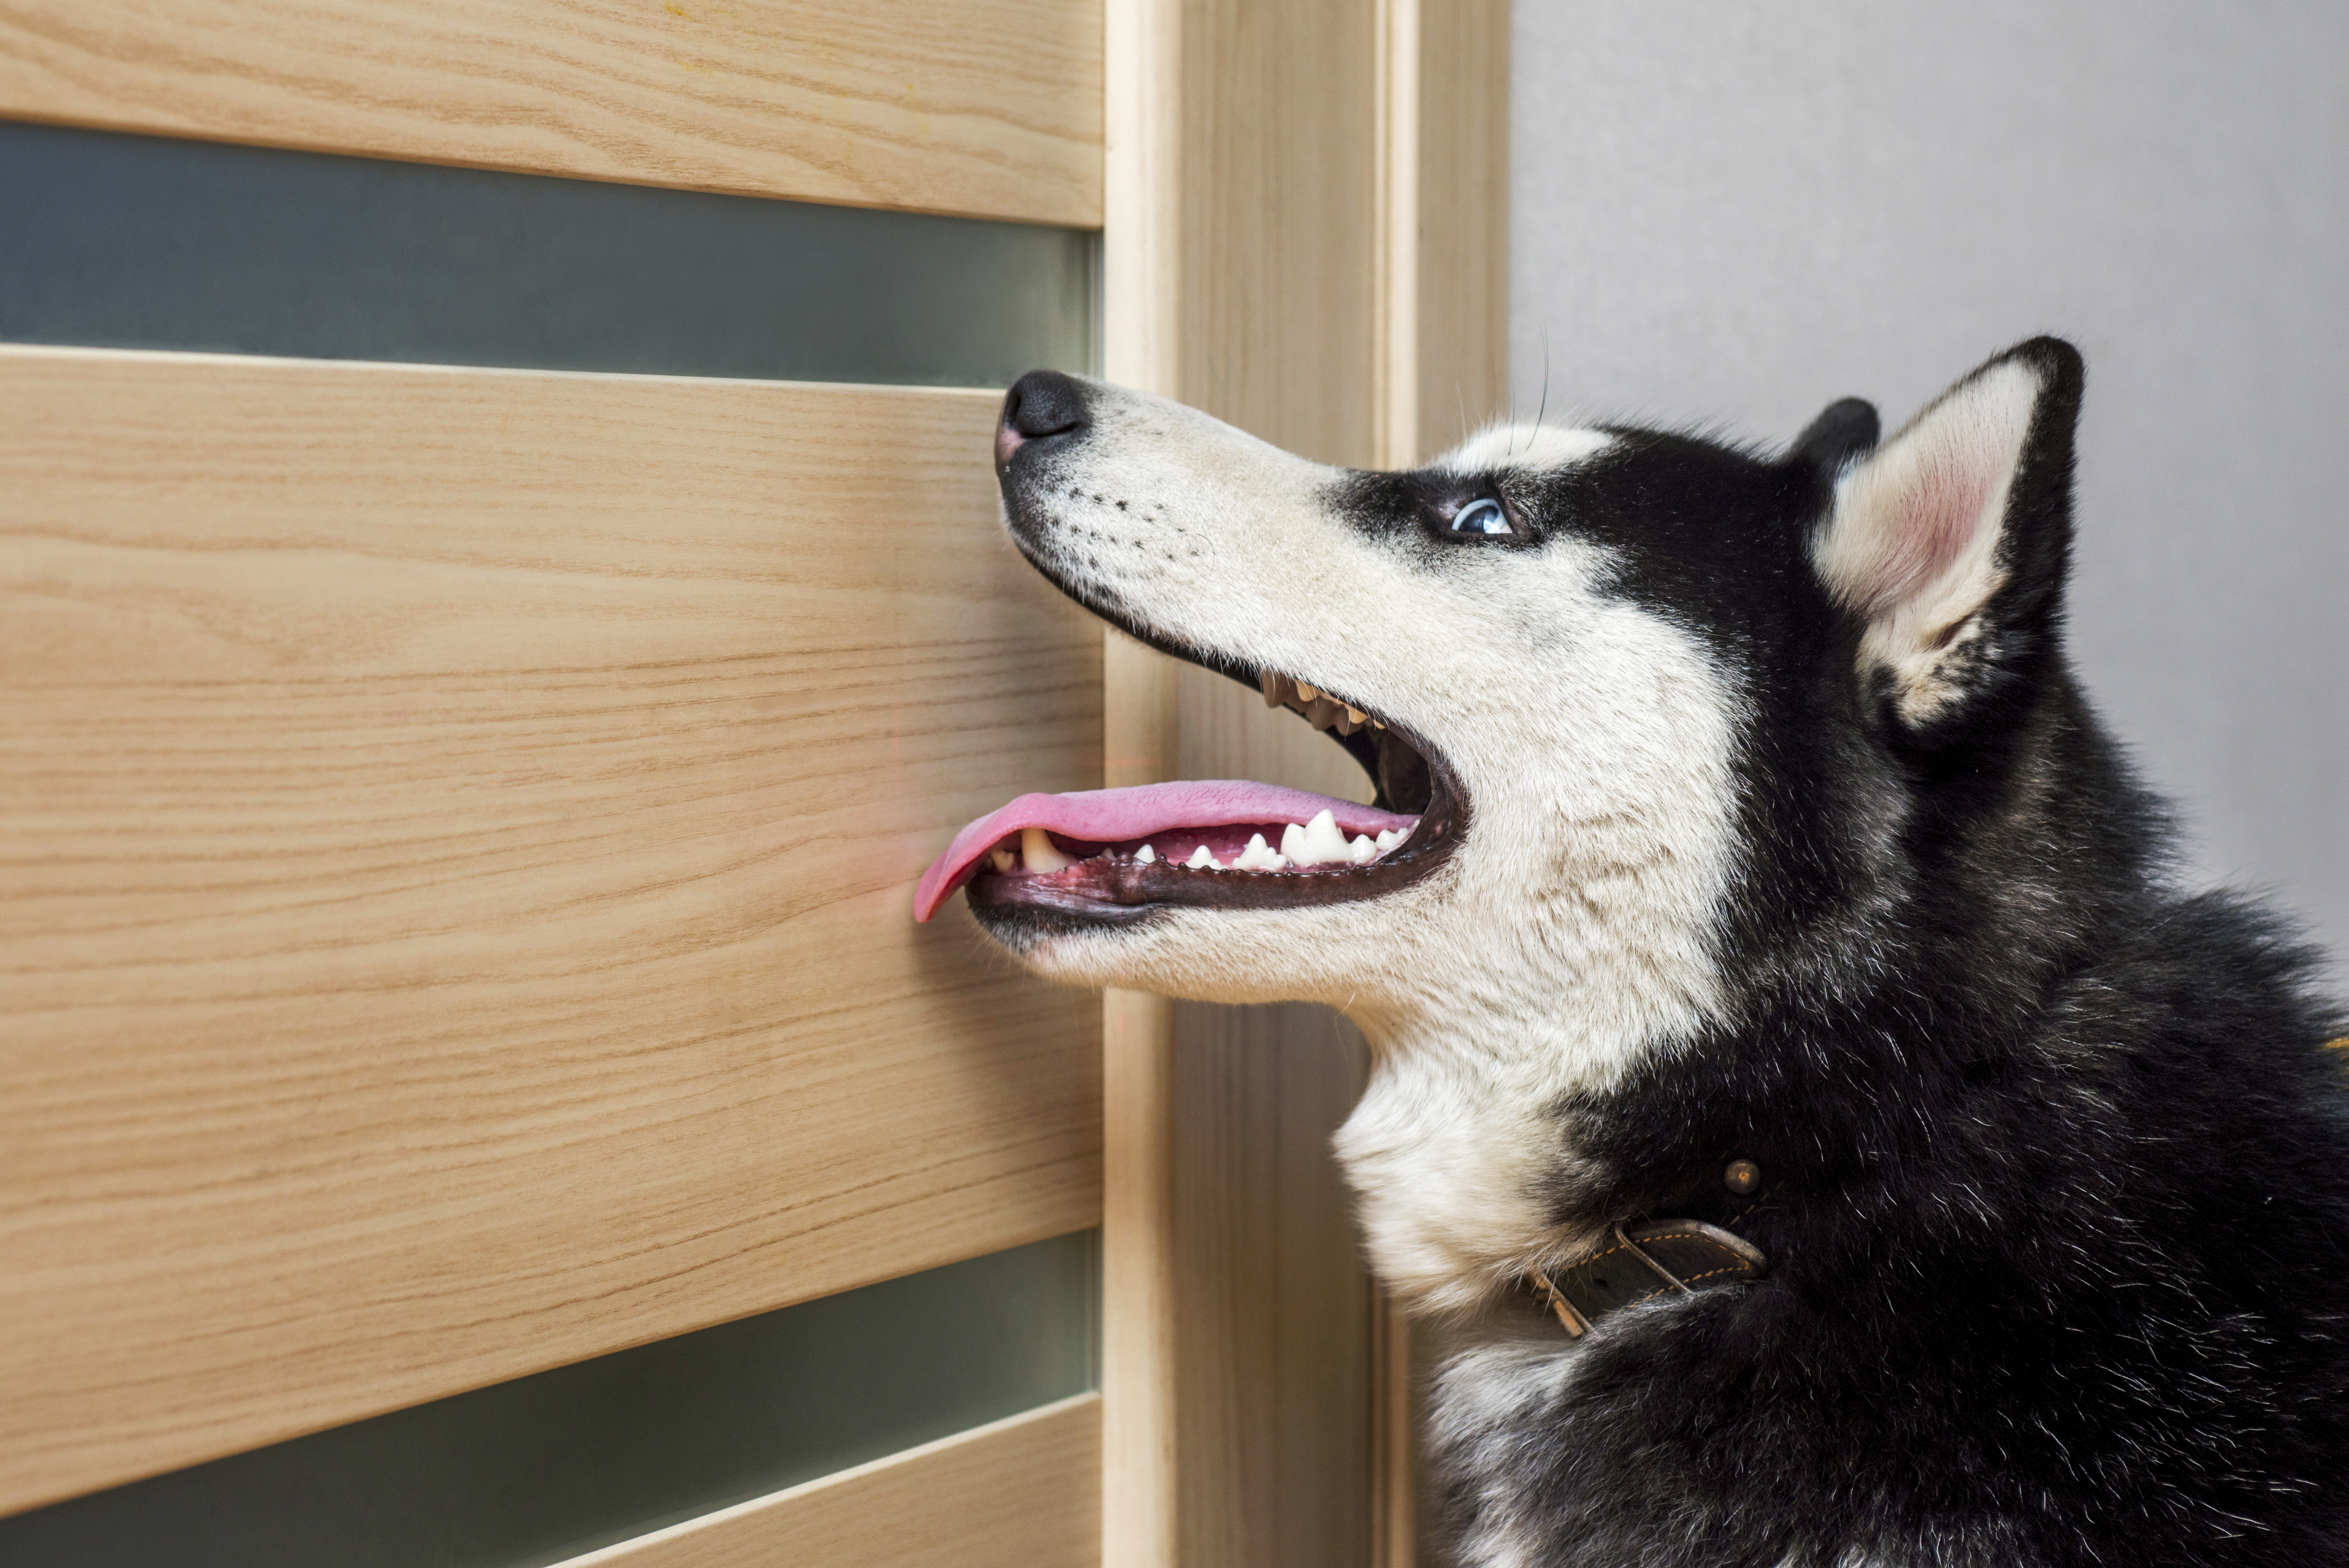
(1019, 1493)
(456, 838)
(988, 107)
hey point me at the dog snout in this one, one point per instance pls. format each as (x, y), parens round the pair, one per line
(1044, 404)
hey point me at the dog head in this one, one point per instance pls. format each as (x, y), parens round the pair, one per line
(1630, 697)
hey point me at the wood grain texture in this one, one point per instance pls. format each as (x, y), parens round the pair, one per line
(1273, 1429)
(456, 838)
(1018, 1493)
(987, 108)
(1442, 287)
(1458, 366)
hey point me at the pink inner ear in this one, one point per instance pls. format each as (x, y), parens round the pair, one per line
(1935, 523)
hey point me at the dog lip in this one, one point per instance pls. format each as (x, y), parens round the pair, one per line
(1124, 816)
(1106, 890)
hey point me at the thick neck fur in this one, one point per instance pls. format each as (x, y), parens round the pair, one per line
(1505, 1129)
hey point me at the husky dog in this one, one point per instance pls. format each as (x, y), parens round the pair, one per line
(1823, 1131)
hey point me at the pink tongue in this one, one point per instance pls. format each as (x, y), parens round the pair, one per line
(1121, 816)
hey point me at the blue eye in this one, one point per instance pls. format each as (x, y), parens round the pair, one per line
(1483, 517)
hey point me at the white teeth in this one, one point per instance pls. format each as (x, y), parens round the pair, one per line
(1002, 859)
(1389, 839)
(1292, 843)
(1259, 857)
(1361, 851)
(1201, 861)
(1145, 854)
(1321, 843)
(1037, 853)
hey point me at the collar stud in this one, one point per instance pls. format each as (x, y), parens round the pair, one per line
(1742, 1177)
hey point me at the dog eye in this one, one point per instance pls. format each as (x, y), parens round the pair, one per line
(1482, 519)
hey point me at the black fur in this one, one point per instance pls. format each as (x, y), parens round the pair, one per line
(2056, 1163)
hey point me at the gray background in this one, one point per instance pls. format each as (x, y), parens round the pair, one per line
(1733, 214)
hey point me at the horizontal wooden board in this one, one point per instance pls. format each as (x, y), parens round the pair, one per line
(1021, 1493)
(457, 831)
(986, 108)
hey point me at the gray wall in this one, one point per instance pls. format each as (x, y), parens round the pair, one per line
(1736, 213)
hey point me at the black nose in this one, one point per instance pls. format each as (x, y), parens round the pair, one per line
(1041, 403)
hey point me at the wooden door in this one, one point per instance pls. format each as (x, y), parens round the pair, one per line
(458, 817)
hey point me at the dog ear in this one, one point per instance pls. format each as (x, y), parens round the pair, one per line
(1950, 541)
(1844, 430)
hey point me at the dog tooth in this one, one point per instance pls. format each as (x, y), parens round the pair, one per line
(1259, 857)
(1306, 692)
(1361, 851)
(1038, 853)
(1322, 842)
(1145, 854)
(1323, 713)
(1390, 838)
(1292, 843)
(1273, 685)
(1201, 861)
(1380, 722)
(1356, 713)
(1002, 859)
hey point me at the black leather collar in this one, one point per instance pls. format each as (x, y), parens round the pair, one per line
(1640, 1262)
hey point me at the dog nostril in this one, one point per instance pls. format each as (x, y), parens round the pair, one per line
(1044, 403)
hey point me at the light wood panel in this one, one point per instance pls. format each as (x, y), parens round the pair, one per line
(982, 107)
(1444, 250)
(457, 831)
(1274, 1427)
(1306, 235)
(1019, 1493)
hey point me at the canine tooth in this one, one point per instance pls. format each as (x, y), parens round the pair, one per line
(1259, 857)
(1306, 692)
(1145, 854)
(1002, 859)
(1201, 861)
(1361, 851)
(1321, 843)
(1037, 853)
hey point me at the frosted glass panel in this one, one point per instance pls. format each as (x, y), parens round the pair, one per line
(533, 1471)
(133, 242)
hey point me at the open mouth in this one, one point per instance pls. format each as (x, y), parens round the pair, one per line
(1115, 855)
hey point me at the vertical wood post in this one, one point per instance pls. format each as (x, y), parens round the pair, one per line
(1305, 209)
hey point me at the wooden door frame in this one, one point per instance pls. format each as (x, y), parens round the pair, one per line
(1368, 326)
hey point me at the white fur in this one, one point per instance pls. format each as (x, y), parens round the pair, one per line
(1913, 539)
(1544, 448)
(1569, 934)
